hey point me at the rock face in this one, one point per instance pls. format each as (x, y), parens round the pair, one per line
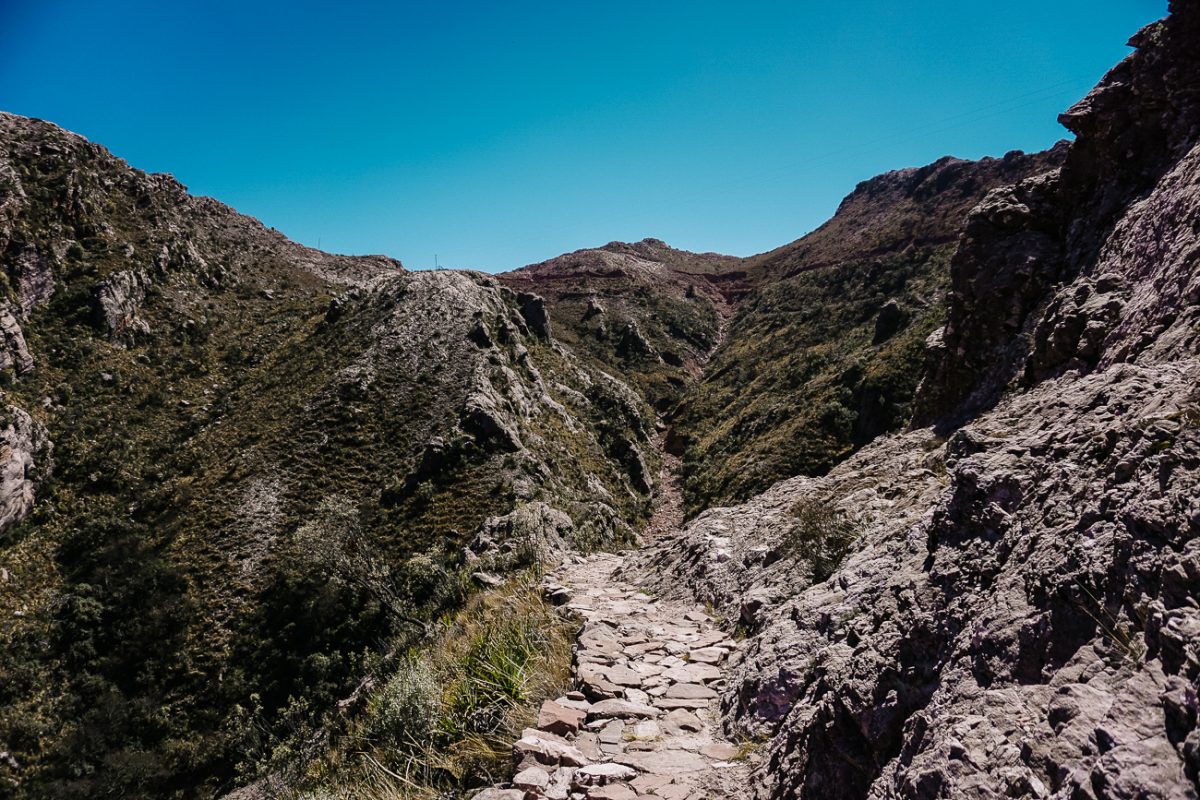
(119, 299)
(25, 461)
(1017, 613)
(15, 353)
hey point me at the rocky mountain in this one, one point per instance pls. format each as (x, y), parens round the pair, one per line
(1003, 600)
(650, 311)
(186, 390)
(825, 350)
(912, 501)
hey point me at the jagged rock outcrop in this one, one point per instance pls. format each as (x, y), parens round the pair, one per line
(118, 300)
(25, 462)
(1018, 613)
(533, 533)
(14, 354)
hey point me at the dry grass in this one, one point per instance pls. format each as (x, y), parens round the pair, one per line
(447, 715)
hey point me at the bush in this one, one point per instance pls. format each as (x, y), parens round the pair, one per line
(404, 714)
(820, 535)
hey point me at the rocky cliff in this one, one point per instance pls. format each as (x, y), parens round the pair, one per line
(1005, 603)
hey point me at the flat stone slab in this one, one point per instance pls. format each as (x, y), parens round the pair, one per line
(708, 655)
(664, 762)
(690, 691)
(682, 720)
(621, 709)
(601, 774)
(615, 791)
(720, 751)
(533, 779)
(693, 673)
(680, 702)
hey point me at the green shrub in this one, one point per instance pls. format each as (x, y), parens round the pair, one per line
(820, 535)
(404, 713)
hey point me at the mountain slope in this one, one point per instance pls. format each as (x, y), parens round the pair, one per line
(824, 353)
(188, 391)
(647, 310)
(1004, 603)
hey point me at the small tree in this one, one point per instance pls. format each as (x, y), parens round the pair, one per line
(819, 534)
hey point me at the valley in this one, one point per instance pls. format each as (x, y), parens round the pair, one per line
(906, 508)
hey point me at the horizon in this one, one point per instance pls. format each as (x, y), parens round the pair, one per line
(520, 149)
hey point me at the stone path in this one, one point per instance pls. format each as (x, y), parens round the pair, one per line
(642, 720)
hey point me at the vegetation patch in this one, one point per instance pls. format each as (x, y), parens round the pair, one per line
(819, 535)
(445, 717)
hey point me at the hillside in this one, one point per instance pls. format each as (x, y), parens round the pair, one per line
(906, 508)
(186, 391)
(1004, 602)
(650, 311)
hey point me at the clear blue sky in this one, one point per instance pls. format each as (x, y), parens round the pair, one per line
(501, 133)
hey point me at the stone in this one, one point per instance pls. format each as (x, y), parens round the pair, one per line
(707, 655)
(623, 676)
(602, 774)
(622, 709)
(549, 751)
(649, 784)
(613, 732)
(615, 791)
(693, 673)
(682, 720)
(532, 779)
(647, 729)
(690, 691)
(721, 751)
(588, 743)
(560, 719)
(487, 579)
(680, 702)
(664, 762)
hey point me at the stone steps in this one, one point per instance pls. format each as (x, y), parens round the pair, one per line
(642, 720)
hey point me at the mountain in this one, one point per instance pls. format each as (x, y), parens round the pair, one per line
(185, 390)
(825, 349)
(650, 311)
(1002, 599)
(904, 508)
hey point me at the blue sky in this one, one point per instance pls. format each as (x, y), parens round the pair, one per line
(499, 134)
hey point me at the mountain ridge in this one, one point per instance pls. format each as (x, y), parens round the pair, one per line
(272, 520)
